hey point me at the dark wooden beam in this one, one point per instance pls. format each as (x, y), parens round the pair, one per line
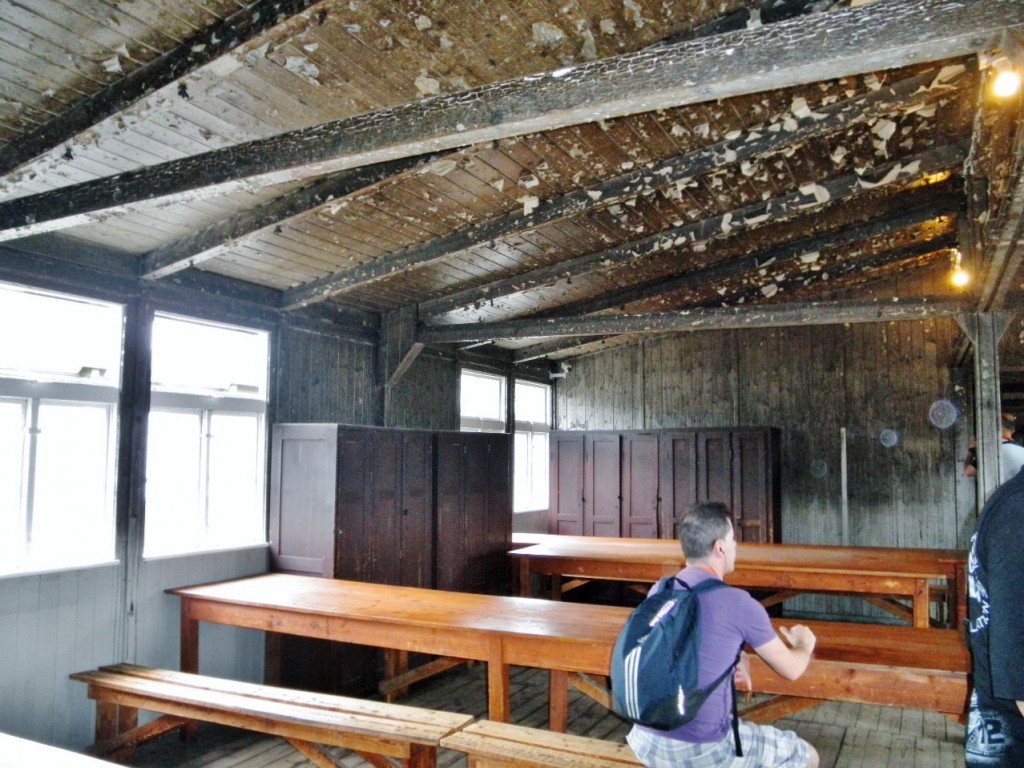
(910, 93)
(202, 48)
(791, 205)
(773, 316)
(880, 35)
(847, 237)
(838, 274)
(207, 243)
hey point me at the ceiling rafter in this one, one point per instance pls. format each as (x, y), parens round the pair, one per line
(769, 57)
(777, 256)
(792, 204)
(907, 94)
(192, 54)
(839, 275)
(702, 319)
(231, 230)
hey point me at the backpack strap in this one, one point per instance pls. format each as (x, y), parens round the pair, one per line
(708, 585)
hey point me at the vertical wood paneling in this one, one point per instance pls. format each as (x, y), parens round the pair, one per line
(53, 625)
(323, 378)
(427, 396)
(810, 382)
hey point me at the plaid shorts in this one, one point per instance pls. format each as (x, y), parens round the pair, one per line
(764, 746)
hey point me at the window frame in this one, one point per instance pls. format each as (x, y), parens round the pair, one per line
(207, 404)
(34, 390)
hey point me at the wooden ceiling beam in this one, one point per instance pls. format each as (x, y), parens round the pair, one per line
(206, 45)
(910, 93)
(721, 318)
(228, 232)
(837, 275)
(881, 35)
(848, 237)
(739, 221)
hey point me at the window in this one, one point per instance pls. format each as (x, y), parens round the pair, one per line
(59, 373)
(207, 436)
(482, 409)
(533, 422)
(482, 402)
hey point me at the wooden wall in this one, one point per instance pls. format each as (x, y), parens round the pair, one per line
(812, 383)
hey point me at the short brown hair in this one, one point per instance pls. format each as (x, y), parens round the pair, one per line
(702, 525)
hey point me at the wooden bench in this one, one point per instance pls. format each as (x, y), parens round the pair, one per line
(896, 666)
(488, 744)
(375, 730)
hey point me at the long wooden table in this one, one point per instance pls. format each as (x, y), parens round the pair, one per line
(889, 665)
(880, 575)
(501, 631)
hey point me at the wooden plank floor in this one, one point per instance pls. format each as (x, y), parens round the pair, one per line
(846, 735)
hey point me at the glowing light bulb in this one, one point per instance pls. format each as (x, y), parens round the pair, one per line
(959, 278)
(1006, 84)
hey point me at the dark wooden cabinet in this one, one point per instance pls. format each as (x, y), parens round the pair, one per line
(638, 484)
(391, 506)
(474, 526)
(739, 467)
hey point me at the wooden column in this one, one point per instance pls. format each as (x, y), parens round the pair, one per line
(984, 331)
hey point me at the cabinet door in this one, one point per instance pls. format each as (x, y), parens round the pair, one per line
(677, 467)
(302, 498)
(640, 485)
(383, 539)
(565, 502)
(602, 489)
(474, 511)
(416, 524)
(353, 559)
(714, 466)
(754, 506)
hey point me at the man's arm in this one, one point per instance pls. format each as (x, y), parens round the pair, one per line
(789, 661)
(1020, 706)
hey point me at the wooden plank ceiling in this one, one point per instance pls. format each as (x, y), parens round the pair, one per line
(542, 178)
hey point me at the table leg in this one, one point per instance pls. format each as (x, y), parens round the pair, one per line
(525, 578)
(558, 700)
(189, 657)
(498, 704)
(189, 639)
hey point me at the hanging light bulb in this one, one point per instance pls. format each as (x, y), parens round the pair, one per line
(958, 276)
(1006, 80)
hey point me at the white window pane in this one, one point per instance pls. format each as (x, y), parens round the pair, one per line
(530, 483)
(193, 356)
(12, 470)
(539, 474)
(173, 470)
(59, 337)
(532, 402)
(72, 514)
(235, 493)
(482, 396)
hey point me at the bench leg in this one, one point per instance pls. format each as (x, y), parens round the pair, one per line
(111, 721)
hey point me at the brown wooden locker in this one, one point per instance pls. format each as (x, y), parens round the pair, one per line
(639, 485)
(474, 515)
(677, 470)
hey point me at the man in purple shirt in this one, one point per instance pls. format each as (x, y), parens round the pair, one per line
(729, 618)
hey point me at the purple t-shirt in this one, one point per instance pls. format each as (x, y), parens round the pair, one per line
(729, 617)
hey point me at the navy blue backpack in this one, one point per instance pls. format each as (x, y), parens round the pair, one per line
(654, 670)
